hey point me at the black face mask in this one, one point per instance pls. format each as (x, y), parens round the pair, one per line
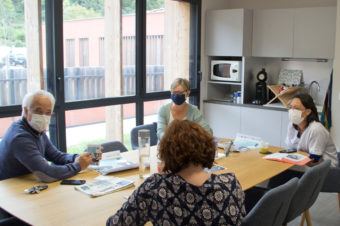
(178, 99)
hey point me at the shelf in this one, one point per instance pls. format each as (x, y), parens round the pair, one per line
(283, 96)
(225, 83)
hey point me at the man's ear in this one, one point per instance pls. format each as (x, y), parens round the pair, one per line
(25, 111)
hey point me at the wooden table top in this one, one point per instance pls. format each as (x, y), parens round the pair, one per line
(63, 205)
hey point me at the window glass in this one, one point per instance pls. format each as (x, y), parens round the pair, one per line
(6, 123)
(167, 43)
(13, 77)
(99, 125)
(99, 49)
(151, 109)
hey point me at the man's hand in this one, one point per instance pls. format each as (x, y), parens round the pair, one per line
(84, 160)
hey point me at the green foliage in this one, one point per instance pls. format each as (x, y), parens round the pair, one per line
(12, 17)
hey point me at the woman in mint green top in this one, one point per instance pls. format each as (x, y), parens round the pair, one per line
(179, 108)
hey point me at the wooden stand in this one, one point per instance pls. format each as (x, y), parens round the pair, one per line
(285, 95)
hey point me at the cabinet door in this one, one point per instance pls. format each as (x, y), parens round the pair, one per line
(314, 32)
(284, 127)
(224, 32)
(273, 33)
(262, 123)
(224, 120)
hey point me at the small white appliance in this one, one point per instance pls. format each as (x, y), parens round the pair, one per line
(226, 70)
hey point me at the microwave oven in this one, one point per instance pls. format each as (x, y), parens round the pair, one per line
(223, 70)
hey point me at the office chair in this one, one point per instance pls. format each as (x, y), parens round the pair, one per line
(272, 208)
(113, 146)
(308, 189)
(332, 181)
(153, 134)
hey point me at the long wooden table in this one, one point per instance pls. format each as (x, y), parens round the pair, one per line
(63, 205)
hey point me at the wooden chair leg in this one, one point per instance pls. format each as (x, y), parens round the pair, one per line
(303, 217)
(309, 221)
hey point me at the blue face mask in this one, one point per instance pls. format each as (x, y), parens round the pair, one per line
(178, 99)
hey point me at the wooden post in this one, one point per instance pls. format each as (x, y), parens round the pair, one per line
(176, 41)
(34, 60)
(113, 68)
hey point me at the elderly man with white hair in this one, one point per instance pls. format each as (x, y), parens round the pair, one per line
(25, 147)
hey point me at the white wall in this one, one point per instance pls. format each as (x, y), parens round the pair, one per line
(266, 4)
(335, 130)
(207, 5)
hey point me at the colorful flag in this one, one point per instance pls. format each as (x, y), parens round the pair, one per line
(326, 115)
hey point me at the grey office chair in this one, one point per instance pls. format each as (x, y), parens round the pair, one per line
(153, 134)
(332, 181)
(113, 146)
(308, 189)
(272, 208)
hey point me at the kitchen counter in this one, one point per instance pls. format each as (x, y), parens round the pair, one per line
(273, 106)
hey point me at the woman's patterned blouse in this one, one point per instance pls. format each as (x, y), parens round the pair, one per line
(167, 199)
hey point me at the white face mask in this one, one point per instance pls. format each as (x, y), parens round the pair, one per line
(40, 122)
(295, 116)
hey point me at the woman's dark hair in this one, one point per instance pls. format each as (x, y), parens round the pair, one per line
(186, 142)
(308, 103)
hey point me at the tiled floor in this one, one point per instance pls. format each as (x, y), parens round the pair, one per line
(324, 212)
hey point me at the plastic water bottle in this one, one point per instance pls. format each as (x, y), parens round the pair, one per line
(235, 97)
(239, 100)
(144, 152)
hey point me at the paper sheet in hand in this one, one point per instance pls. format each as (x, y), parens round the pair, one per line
(244, 142)
(112, 162)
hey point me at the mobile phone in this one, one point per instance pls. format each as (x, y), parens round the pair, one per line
(73, 182)
(288, 151)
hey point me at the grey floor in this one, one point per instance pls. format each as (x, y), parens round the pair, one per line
(324, 212)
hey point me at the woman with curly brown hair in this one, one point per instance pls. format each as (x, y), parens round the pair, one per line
(185, 194)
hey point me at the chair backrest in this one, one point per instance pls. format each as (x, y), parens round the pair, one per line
(308, 189)
(153, 134)
(272, 208)
(332, 182)
(113, 146)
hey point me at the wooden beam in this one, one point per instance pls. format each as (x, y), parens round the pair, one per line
(34, 61)
(113, 68)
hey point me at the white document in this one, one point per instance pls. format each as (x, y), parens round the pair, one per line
(245, 142)
(104, 186)
(112, 162)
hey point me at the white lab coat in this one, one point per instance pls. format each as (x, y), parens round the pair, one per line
(314, 140)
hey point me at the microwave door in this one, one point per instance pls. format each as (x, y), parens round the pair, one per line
(225, 70)
(216, 70)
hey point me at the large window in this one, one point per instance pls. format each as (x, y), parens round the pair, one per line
(109, 63)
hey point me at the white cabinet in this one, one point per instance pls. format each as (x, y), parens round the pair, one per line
(284, 127)
(314, 32)
(223, 119)
(262, 123)
(273, 33)
(228, 120)
(228, 32)
(300, 32)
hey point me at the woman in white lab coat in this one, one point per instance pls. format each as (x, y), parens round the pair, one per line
(306, 133)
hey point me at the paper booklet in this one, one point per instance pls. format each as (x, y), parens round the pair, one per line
(296, 159)
(104, 186)
(243, 142)
(214, 168)
(112, 162)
